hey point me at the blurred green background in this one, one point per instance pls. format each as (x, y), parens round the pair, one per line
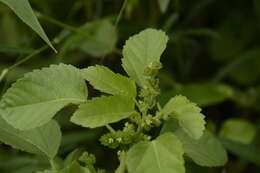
(213, 58)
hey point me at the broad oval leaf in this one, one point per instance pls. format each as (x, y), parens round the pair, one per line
(96, 38)
(238, 130)
(206, 151)
(33, 100)
(141, 50)
(109, 82)
(44, 140)
(162, 155)
(103, 110)
(23, 10)
(188, 114)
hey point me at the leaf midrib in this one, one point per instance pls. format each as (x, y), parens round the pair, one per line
(46, 102)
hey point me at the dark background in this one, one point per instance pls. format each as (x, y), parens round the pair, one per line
(213, 57)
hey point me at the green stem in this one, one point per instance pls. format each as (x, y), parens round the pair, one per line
(76, 30)
(110, 128)
(122, 166)
(71, 28)
(36, 52)
(53, 165)
(3, 74)
(120, 13)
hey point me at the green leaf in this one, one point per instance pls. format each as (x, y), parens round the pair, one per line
(248, 152)
(109, 82)
(96, 39)
(47, 171)
(163, 4)
(188, 114)
(162, 155)
(103, 110)
(204, 94)
(75, 168)
(73, 156)
(206, 151)
(141, 50)
(33, 100)
(23, 10)
(44, 140)
(238, 130)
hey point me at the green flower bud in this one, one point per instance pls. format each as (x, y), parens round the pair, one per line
(87, 158)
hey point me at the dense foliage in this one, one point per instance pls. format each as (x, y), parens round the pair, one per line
(102, 93)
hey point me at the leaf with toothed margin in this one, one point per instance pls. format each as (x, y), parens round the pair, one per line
(109, 82)
(34, 99)
(162, 155)
(103, 110)
(205, 151)
(188, 114)
(141, 50)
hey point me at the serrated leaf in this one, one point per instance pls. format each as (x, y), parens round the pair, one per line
(238, 130)
(34, 99)
(23, 10)
(162, 155)
(206, 151)
(103, 110)
(44, 140)
(109, 82)
(163, 4)
(141, 50)
(188, 114)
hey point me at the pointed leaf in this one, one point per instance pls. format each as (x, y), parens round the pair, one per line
(206, 151)
(163, 4)
(33, 100)
(109, 82)
(44, 140)
(162, 155)
(103, 110)
(141, 50)
(188, 114)
(23, 10)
